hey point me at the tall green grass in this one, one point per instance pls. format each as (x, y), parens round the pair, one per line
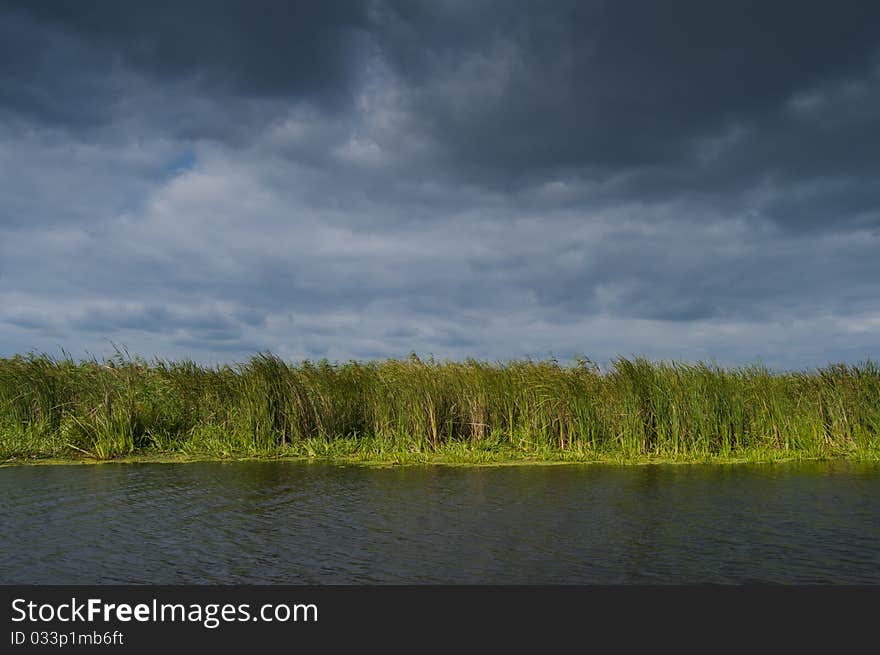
(413, 410)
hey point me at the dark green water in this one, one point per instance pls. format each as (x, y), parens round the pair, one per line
(304, 523)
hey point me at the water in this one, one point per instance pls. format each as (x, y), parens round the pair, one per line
(276, 522)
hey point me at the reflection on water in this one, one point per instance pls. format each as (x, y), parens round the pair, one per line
(277, 522)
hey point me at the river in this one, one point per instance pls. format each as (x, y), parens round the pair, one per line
(290, 523)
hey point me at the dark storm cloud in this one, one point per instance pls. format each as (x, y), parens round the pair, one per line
(508, 92)
(516, 94)
(67, 62)
(615, 83)
(686, 179)
(284, 48)
(40, 66)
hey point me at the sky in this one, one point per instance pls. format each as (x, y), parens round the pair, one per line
(694, 181)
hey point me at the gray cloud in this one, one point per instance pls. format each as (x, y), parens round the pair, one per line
(463, 179)
(619, 82)
(262, 49)
(667, 100)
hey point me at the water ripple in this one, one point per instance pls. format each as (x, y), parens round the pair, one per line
(261, 522)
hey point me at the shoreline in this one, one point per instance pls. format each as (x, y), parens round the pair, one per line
(449, 460)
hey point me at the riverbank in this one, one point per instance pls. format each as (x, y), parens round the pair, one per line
(458, 456)
(399, 412)
(443, 461)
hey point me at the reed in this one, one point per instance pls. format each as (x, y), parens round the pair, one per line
(415, 410)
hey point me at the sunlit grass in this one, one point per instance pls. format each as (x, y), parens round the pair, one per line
(415, 411)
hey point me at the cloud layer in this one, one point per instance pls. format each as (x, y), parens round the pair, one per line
(496, 180)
